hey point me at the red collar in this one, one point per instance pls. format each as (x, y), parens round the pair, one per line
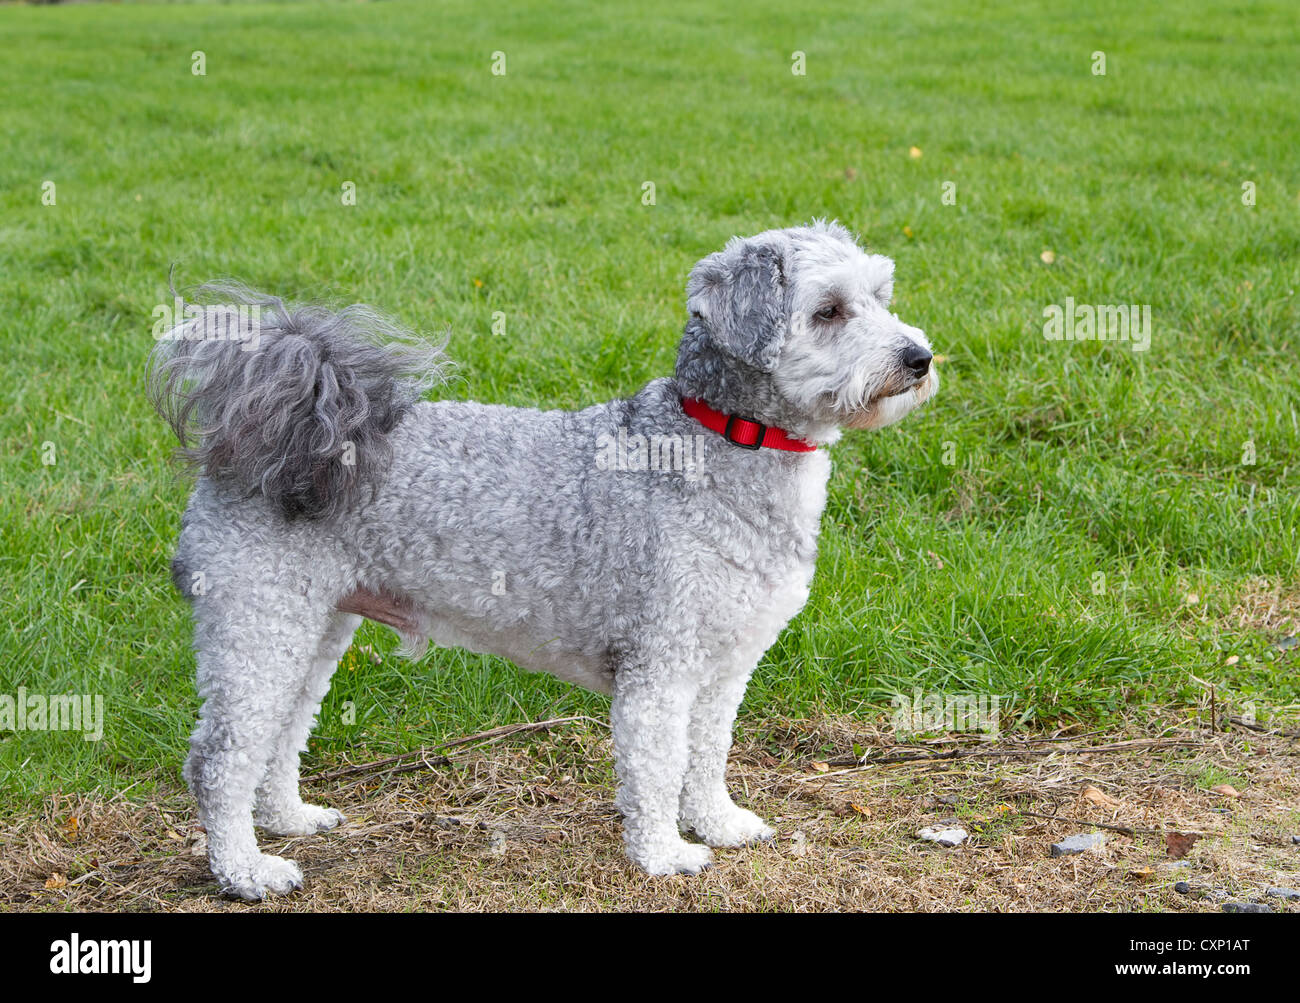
(744, 432)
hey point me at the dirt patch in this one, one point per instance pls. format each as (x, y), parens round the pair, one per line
(527, 823)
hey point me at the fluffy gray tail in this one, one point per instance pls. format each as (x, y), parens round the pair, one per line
(295, 404)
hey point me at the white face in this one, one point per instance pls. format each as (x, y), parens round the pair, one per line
(847, 359)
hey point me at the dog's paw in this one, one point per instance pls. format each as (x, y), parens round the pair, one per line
(268, 876)
(303, 820)
(733, 827)
(680, 857)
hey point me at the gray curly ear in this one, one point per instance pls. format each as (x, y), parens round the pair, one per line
(740, 296)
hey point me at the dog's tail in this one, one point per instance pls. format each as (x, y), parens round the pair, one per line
(294, 403)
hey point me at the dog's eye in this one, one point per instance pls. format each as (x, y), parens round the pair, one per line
(828, 312)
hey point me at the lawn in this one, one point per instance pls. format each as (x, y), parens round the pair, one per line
(1095, 535)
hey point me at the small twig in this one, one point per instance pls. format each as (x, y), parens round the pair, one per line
(1128, 830)
(930, 757)
(412, 767)
(403, 763)
(1028, 743)
(1252, 726)
(514, 729)
(370, 767)
(124, 790)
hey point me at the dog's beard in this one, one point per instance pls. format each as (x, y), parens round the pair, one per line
(895, 399)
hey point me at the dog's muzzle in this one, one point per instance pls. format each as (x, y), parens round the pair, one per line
(913, 382)
(916, 360)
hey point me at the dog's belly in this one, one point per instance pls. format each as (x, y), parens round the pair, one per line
(521, 643)
(521, 646)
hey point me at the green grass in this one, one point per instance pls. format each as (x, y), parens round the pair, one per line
(522, 194)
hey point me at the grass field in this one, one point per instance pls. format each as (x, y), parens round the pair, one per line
(1093, 534)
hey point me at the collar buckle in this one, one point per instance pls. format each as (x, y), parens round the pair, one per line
(758, 439)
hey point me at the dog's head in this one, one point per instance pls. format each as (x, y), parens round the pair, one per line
(798, 322)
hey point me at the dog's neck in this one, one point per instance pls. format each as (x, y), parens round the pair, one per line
(733, 387)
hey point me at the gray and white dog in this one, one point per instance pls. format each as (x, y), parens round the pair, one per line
(330, 491)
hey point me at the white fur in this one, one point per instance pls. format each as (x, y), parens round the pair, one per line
(494, 529)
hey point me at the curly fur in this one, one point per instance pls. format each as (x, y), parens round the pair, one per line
(495, 529)
(295, 404)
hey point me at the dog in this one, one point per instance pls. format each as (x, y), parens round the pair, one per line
(329, 491)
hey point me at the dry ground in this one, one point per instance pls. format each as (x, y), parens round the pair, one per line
(524, 822)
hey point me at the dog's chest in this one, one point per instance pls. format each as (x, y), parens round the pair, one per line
(764, 569)
(793, 564)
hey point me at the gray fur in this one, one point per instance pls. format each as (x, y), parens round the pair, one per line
(497, 529)
(296, 407)
(739, 296)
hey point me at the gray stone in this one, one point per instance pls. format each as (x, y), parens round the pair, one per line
(1077, 844)
(1183, 888)
(1245, 907)
(1284, 893)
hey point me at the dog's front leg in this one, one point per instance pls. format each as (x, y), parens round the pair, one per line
(706, 806)
(650, 716)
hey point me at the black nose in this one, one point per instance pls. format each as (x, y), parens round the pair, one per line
(917, 359)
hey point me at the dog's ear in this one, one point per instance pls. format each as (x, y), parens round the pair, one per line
(739, 296)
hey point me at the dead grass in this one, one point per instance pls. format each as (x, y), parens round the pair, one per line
(527, 824)
(1266, 606)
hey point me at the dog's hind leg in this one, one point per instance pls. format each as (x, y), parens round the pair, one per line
(279, 808)
(706, 806)
(254, 648)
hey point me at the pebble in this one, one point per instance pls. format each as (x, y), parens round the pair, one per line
(944, 837)
(1077, 844)
(1296, 840)
(1284, 893)
(1245, 907)
(1213, 894)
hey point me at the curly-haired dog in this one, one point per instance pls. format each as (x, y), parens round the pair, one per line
(603, 546)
